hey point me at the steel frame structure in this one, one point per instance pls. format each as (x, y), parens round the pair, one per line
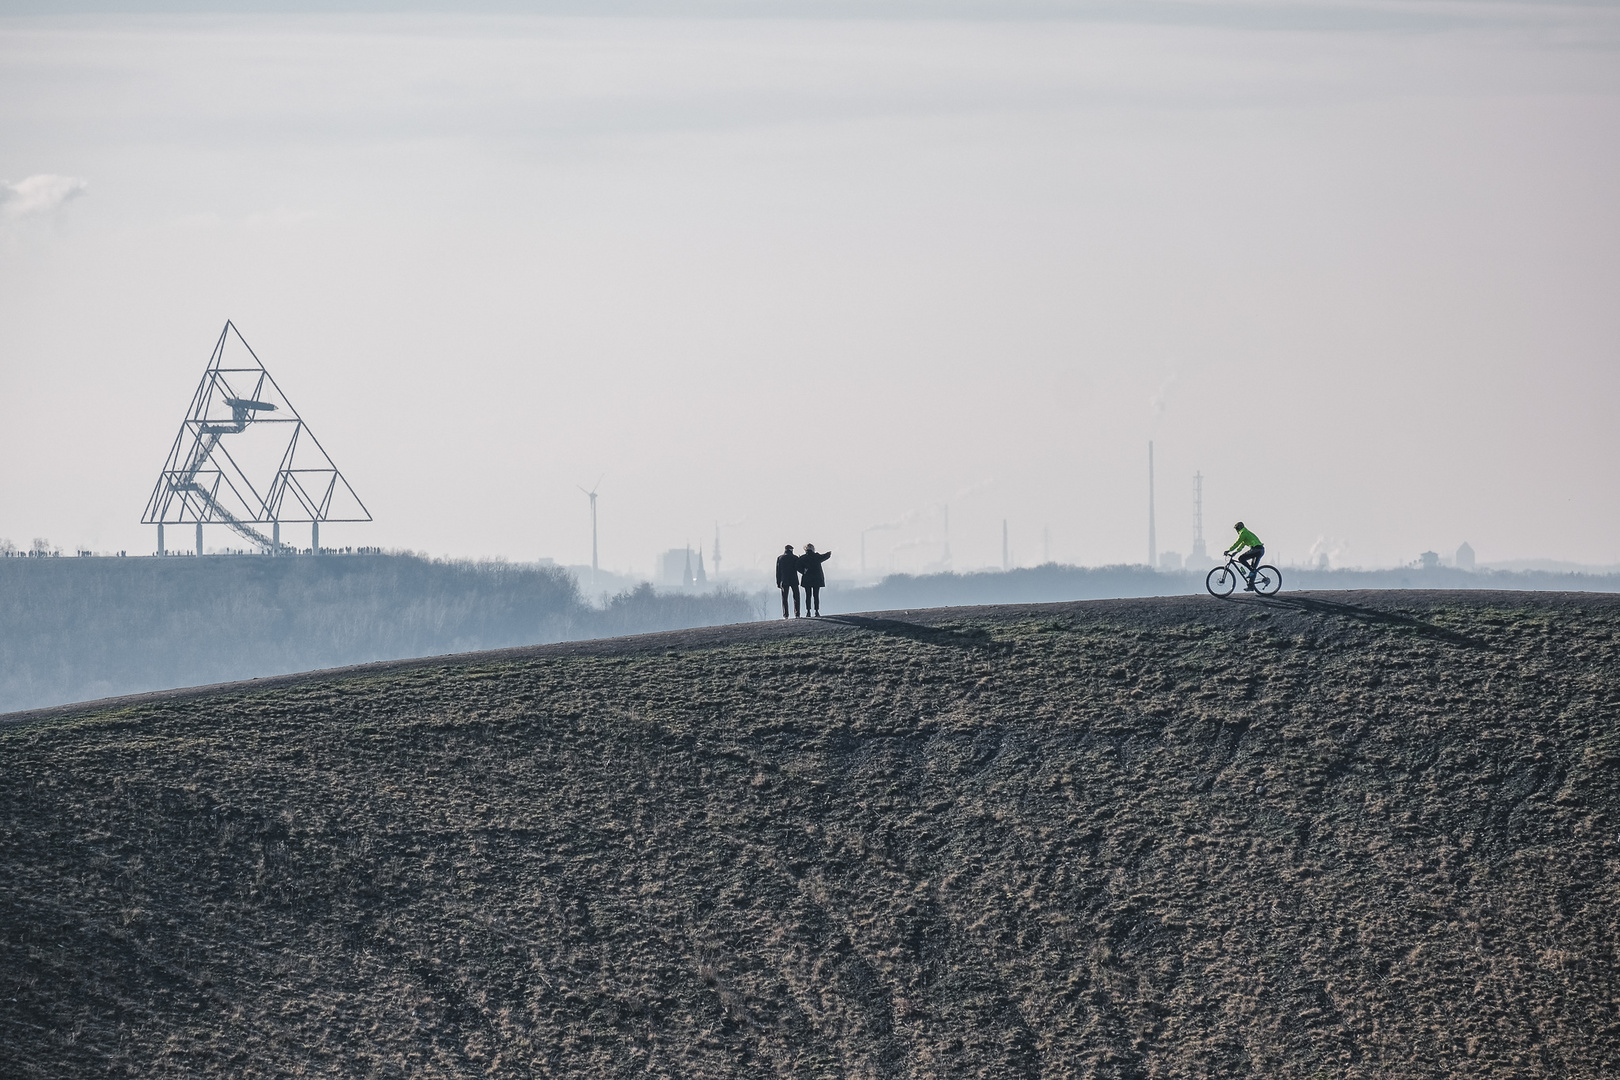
(203, 483)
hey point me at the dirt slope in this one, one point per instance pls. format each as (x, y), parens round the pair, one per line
(1363, 835)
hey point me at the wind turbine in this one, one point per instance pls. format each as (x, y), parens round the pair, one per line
(592, 495)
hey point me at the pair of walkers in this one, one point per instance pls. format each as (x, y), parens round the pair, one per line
(792, 571)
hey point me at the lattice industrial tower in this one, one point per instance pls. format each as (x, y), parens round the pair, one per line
(244, 457)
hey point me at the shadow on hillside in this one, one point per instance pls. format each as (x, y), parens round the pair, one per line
(972, 638)
(1313, 606)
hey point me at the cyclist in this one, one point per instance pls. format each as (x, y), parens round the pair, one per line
(1251, 557)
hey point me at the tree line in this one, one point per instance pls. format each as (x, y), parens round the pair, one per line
(79, 629)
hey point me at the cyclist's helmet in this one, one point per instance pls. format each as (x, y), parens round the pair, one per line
(1239, 525)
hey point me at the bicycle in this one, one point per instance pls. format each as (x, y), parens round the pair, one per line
(1223, 579)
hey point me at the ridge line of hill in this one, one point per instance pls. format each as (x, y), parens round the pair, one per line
(1355, 605)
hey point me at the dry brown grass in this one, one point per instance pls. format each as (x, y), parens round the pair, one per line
(1161, 838)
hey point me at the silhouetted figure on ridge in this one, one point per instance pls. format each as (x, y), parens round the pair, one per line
(810, 570)
(787, 578)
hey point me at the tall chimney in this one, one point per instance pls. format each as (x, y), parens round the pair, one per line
(1198, 550)
(1153, 542)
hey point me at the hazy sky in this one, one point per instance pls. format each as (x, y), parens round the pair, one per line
(1358, 264)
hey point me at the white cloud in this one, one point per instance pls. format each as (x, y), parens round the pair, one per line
(39, 195)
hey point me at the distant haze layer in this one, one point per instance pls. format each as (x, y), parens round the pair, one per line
(799, 279)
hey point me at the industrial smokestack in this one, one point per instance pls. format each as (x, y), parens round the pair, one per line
(1153, 542)
(1006, 556)
(1198, 549)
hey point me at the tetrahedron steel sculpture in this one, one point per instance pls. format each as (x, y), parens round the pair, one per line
(244, 457)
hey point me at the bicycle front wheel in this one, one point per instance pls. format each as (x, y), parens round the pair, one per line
(1221, 581)
(1267, 580)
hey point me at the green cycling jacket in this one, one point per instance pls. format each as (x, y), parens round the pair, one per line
(1245, 539)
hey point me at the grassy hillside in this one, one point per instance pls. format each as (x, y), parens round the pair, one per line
(1155, 838)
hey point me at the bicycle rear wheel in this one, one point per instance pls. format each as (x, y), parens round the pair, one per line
(1221, 581)
(1267, 580)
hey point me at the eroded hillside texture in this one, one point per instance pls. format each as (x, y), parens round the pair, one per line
(1365, 835)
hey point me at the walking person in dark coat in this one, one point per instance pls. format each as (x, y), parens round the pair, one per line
(810, 570)
(787, 577)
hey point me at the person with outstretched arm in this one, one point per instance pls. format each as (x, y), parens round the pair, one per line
(787, 578)
(810, 570)
(1251, 557)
